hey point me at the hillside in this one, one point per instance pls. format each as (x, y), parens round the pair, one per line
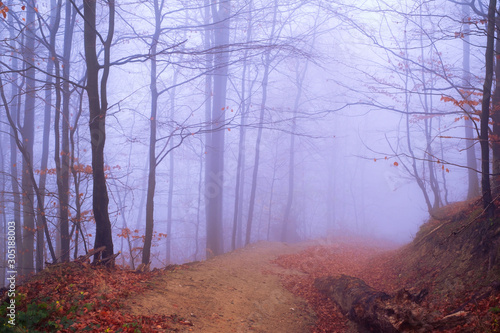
(269, 287)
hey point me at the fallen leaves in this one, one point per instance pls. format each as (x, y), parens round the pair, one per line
(379, 268)
(88, 298)
(330, 260)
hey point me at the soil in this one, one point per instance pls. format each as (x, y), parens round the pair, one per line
(235, 292)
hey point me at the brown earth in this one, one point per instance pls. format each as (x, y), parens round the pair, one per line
(235, 292)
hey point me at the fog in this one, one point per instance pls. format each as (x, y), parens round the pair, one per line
(352, 110)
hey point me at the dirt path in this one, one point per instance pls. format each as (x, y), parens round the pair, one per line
(235, 292)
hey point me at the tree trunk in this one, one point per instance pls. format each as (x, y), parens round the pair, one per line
(15, 97)
(240, 167)
(485, 113)
(146, 251)
(28, 135)
(285, 232)
(414, 170)
(473, 183)
(198, 207)
(54, 24)
(25, 156)
(171, 171)
(214, 183)
(265, 80)
(495, 116)
(376, 311)
(76, 180)
(62, 151)
(97, 108)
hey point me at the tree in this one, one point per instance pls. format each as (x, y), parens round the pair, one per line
(51, 44)
(240, 170)
(152, 135)
(15, 107)
(62, 140)
(214, 169)
(98, 106)
(299, 81)
(28, 135)
(485, 111)
(473, 184)
(495, 116)
(265, 81)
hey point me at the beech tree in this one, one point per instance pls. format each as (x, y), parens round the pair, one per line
(28, 136)
(98, 106)
(265, 80)
(214, 169)
(473, 183)
(488, 204)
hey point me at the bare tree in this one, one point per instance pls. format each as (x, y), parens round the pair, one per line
(485, 111)
(265, 80)
(98, 106)
(214, 169)
(28, 135)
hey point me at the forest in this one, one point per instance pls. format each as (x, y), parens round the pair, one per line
(151, 134)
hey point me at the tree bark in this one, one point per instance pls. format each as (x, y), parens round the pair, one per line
(16, 109)
(485, 113)
(376, 311)
(54, 23)
(28, 135)
(495, 116)
(214, 181)
(97, 108)
(25, 156)
(146, 251)
(473, 183)
(265, 80)
(240, 167)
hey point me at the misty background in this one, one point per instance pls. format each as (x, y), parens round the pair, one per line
(339, 118)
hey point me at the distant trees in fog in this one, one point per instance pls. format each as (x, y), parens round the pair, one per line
(187, 129)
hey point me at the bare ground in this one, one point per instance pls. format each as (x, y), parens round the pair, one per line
(235, 292)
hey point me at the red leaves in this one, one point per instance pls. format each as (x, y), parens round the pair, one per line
(356, 259)
(3, 9)
(460, 103)
(92, 297)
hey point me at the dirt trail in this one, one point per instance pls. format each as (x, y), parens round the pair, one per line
(235, 292)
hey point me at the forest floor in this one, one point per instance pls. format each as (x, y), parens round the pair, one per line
(269, 287)
(239, 291)
(264, 287)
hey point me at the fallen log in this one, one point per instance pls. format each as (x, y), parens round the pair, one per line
(377, 311)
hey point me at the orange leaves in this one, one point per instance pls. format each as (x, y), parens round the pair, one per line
(445, 169)
(476, 119)
(80, 168)
(396, 164)
(459, 103)
(87, 169)
(124, 233)
(3, 9)
(46, 172)
(85, 298)
(341, 258)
